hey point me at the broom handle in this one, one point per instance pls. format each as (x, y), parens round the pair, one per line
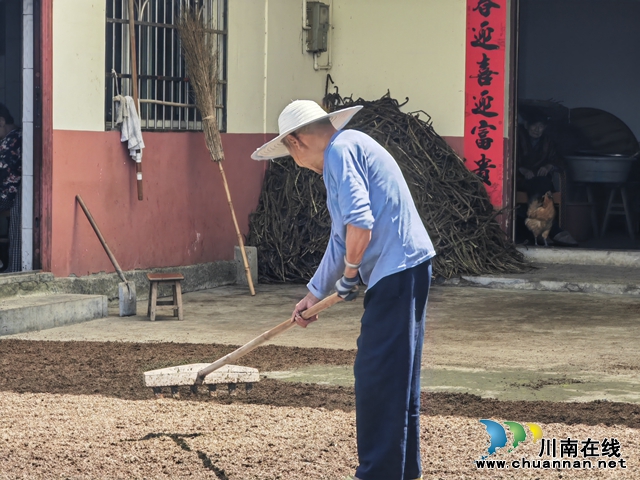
(247, 271)
(134, 80)
(284, 326)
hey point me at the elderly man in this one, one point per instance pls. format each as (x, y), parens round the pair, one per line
(537, 161)
(377, 237)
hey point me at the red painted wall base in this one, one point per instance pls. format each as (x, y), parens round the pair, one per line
(184, 218)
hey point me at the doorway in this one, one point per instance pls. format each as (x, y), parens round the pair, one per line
(11, 51)
(577, 70)
(19, 26)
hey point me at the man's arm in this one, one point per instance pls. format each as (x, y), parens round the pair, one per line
(357, 241)
(346, 173)
(330, 267)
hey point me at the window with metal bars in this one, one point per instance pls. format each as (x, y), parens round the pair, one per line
(165, 94)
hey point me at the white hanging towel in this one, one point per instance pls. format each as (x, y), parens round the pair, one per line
(131, 132)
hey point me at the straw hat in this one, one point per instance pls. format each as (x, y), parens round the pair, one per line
(296, 115)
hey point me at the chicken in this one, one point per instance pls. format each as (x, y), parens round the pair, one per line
(540, 217)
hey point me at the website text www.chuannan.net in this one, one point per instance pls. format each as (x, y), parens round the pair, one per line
(524, 464)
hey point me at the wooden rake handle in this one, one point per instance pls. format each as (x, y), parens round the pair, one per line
(134, 84)
(284, 326)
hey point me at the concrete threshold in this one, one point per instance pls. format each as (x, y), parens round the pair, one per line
(605, 279)
(582, 256)
(612, 272)
(36, 312)
(23, 277)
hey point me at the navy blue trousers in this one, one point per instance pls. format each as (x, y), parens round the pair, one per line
(387, 376)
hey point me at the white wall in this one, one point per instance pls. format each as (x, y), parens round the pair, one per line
(585, 53)
(245, 66)
(415, 48)
(253, 104)
(290, 73)
(79, 64)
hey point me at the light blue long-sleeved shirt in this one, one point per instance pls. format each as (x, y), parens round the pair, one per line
(366, 189)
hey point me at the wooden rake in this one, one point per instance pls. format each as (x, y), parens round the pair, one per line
(220, 371)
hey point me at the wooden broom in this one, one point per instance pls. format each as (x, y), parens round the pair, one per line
(199, 45)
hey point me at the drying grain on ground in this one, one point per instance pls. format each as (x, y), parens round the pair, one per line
(85, 414)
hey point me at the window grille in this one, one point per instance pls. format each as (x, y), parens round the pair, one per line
(166, 96)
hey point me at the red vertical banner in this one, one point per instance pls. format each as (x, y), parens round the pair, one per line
(485, 92)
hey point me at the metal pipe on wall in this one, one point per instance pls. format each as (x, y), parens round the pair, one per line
(28, 119)
(304, 16)
(266, 66)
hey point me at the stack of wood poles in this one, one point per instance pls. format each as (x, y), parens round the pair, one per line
(199, 45)
(291, 225)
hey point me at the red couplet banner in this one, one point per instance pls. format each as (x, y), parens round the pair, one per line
(485, 92)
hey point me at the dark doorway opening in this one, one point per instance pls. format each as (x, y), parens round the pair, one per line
(577, 70)
(11, 52)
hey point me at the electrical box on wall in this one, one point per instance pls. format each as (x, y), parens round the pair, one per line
(318, 22)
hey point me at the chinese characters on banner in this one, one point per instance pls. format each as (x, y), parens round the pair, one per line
(485, 91)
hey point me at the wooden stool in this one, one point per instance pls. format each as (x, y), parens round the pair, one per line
(176, 304)
(623, 209)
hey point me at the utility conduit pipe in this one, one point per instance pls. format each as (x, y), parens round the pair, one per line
(266, 67)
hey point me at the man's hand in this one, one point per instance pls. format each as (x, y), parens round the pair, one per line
(304, 304)
(528, 174)
(347, 288)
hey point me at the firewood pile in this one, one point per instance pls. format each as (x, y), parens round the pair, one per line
(291, 225)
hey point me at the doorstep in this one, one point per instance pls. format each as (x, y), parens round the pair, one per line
(582, 256)
(612, 272)
(25, 283)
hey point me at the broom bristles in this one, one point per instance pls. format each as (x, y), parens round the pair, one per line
(201, 57)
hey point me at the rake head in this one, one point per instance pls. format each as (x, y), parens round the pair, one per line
(186, 375)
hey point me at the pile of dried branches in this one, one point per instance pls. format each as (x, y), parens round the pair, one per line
(291, 226)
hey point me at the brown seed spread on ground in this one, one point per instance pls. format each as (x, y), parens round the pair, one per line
(80, 410)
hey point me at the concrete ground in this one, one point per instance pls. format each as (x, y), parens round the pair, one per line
(506, 344)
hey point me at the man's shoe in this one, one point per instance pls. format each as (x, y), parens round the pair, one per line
(564, 238)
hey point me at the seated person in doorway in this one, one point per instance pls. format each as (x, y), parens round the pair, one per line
(537, 160)
(10, 177)
(536, 152)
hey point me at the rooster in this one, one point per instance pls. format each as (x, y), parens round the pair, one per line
(540, 217)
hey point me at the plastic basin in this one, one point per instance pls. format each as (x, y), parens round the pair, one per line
(600, 169)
